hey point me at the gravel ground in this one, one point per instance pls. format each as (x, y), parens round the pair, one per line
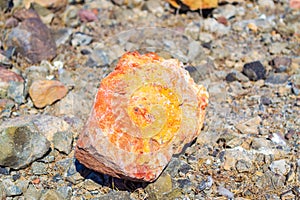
(246, 54)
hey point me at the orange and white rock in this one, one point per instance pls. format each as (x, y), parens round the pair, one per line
(144, 112)
(194, 4)
(46, 92)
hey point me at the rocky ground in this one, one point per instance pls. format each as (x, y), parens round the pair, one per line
(245, 52)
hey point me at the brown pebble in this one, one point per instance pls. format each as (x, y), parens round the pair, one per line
(7, 76)
(33, 40)
(46, 92)
(222, 20)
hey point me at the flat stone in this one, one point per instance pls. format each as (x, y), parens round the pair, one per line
(39, 168)
(46, 92)
(136, 118)
(243, 166)
(65, 191)
(119, 195)
(277, 79)
(81, 39)
(254, 71)
(225, 192)
(32, 193)
(10, 188)
(162, 186)
(51, 194)
(213, 26)
(250, 126)
(34, 73)
(62, 36)
(21, 143)
(280, 167)
(63, 141)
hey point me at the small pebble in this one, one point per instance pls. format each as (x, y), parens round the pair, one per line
(281, 64)
(39, 168)
(46, 92)
(225, 192)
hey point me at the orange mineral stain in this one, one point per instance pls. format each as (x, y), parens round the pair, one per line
(145, 111)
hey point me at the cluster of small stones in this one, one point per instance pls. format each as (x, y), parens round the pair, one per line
(246, 54)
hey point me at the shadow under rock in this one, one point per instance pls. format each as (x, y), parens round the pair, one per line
(109, 181)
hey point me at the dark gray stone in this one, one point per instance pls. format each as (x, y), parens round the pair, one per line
(254, 71)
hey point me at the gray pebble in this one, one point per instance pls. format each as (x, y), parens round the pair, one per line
(63, 141)
(81, 39)
(62, 36)
(225, 192)
(277, 78)
(65, 191)
(243, 166)
(16, 92)
(228, 11)
(39, 168)
(10, 188)
(280, 167)
(32, 193)
(265, 100)
(98, 58)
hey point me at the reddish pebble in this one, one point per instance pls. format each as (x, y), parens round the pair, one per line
(222, 20)
(87, 15)
(36, 181)
(295, 4)
(7, 76)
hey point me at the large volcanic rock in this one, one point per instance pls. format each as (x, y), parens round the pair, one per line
(144, 112)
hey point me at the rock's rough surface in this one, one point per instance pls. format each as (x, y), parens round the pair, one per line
(21, 143)
(145, 111)
(45, 92)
